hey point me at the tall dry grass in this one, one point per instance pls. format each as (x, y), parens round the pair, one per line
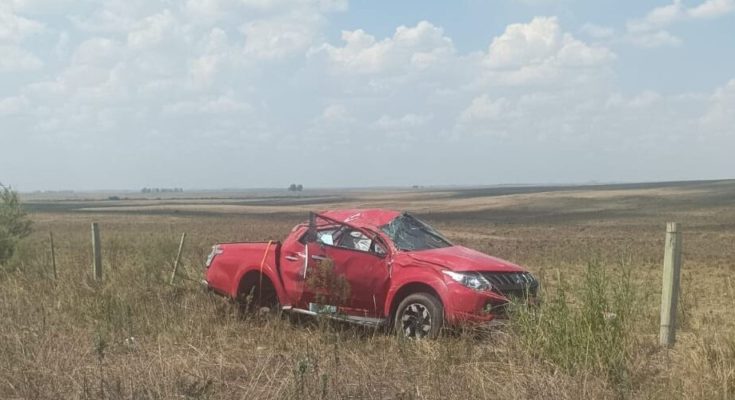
(134, 336)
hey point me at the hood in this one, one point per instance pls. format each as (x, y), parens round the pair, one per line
(460, 258)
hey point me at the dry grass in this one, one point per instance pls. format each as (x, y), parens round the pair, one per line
(134, 336)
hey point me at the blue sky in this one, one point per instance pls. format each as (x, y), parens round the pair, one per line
(122, 94)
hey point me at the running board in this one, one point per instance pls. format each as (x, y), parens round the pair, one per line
(364, 321)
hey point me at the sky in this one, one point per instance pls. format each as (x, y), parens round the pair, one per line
(207, 94)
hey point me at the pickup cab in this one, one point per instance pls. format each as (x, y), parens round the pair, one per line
(373, 267)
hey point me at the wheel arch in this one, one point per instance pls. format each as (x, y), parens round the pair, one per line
(258, 283)
(406, 290)
(253, 276)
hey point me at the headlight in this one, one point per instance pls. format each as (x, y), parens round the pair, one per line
(472, 280)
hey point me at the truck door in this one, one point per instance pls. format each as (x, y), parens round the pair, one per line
(355, 258)
(362, 262)
(296, 259)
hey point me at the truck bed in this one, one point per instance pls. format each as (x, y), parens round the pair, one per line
(233, 260)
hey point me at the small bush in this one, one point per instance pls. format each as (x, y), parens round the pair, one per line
(329, 287)
(14, 223)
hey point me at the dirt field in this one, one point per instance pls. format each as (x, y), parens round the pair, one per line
(594, 248)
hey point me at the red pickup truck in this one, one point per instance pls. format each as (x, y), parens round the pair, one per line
(374, 267)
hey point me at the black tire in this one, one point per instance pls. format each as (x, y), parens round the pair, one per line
(419, 316)
(257, 298)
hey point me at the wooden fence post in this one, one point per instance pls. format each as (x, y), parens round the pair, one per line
(96, 252)
(670, 289)
(53, 255)
(178, 258)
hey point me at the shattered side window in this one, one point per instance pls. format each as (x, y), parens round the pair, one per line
(409, 233)
(325, 236)
(355, 240)
(326, 232)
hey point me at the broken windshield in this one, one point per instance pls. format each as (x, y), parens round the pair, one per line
(409, 233)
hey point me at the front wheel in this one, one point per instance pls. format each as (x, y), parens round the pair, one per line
(420, 315)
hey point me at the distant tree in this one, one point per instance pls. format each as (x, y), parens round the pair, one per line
(299, 187)
(14, 223)
(292, 187)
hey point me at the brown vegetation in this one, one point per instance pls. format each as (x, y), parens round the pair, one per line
(597, 252)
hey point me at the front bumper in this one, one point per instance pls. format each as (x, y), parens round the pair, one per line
(464, 306)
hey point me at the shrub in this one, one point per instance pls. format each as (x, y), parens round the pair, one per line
(14, 223)
(587, 328)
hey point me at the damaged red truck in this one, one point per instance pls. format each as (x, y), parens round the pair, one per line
(400, 273)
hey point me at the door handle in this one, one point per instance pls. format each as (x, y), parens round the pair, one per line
(291, 258)
(318, 258)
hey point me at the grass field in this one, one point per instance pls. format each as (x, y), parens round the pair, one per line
(596, 250)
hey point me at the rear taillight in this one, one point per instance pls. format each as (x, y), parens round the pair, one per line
(216, 250)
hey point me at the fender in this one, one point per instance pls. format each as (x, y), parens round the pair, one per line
(419, 275)
(268, 272)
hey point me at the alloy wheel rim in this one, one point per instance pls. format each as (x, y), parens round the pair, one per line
(416, 321)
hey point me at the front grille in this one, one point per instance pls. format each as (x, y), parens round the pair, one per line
(513, 284)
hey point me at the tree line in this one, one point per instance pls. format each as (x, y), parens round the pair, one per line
(162, 190)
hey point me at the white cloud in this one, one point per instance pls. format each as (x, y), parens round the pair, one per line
(418, 47)
(97, 51)
(216, 53)
(44, 6)
(541, 41)
(649, 31)
(665, 15)
(539, 51)
(280, 37)
(719, 117)
(639, 101)
(153, 30)
(485, 109)
(659, 38)
(15, 58)
(335, 113)
(523, 44)
(14, 28)
(588, 121)
(526, 53)
(110, 18)
(13, 105)
(402, 131)
(712, 9)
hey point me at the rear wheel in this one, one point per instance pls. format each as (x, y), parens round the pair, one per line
(257, 295)
(418, 316)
